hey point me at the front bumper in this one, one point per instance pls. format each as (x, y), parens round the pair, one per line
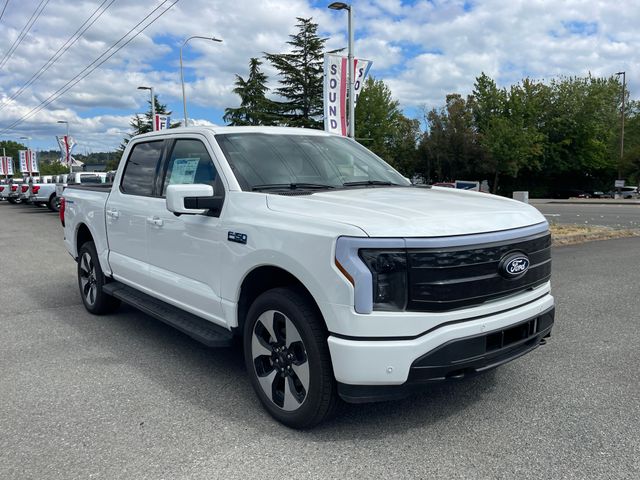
(375, 369)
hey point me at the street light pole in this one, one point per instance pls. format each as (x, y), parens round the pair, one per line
(67, 156)
(184, 97)
(153, 107)
(624, 82)
(351, 79)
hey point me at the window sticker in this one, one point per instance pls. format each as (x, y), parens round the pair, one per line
(184, 170)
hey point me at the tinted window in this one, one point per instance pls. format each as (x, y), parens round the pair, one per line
(139, 173)
(189, 163)
(90, 179)
(264, 159)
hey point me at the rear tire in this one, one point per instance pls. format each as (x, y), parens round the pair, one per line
(52, 204)
(288, 360)
(91, 279)
(13, 201)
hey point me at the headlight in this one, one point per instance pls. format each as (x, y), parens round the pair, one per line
(389, 277)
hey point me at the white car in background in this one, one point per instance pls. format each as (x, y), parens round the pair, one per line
(44, 192)
(14, 190)
(77, 178)
(24, 189)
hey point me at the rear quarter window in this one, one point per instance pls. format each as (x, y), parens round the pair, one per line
(140, 170)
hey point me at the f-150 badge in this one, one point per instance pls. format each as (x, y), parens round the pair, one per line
(237, 237)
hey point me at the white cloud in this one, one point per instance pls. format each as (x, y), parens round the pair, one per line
(422, 49)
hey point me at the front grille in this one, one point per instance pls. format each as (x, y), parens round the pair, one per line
(450, 278)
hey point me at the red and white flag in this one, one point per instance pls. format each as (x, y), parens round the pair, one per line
(161, 122)
(28, 161)
(6, 166)
(67, 145)
(336, 87)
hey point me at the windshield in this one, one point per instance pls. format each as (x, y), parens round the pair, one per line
(261, 160)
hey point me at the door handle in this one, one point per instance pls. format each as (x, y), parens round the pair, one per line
(113, 213)
(157, 221)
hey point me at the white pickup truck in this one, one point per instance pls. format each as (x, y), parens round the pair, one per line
(341, 277)
(12, 191)
(74, 178)
(43, 192)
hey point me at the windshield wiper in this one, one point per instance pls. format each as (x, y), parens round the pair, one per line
(291, 186)
(369, 182)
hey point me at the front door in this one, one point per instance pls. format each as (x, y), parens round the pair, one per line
(184, 251)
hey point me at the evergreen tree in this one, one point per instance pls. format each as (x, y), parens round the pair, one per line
(255, 108)
(301, 73)
(143, 123)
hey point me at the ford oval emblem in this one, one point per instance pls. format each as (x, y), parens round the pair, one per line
(514, 265)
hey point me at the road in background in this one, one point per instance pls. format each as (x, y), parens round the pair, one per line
(126, 397)
(611, 215)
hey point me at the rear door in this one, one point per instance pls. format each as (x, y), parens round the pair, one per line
(127, 212)
(184, 251)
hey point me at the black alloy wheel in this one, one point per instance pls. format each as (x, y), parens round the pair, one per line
(287, 358)
(91, 280)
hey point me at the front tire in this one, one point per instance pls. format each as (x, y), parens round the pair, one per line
(288, 360)
(91, 279)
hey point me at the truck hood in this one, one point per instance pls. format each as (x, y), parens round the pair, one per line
(411, 211)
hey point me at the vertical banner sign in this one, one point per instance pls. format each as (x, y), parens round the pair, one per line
(28, 161)
(67, 145)
(33, 158)
(336, 87)
(24, 164)
(6, 166)
(161, 122)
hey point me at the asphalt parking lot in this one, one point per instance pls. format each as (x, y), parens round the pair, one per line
(126, 397)
(607, 215)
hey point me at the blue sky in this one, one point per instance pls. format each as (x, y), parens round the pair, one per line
(422, 49)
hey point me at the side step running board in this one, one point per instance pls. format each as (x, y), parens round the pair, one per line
(206, 332)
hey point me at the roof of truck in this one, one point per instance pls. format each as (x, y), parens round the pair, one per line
(219, 130)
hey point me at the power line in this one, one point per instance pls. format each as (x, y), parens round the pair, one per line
(90, 68)
(34, 16)
(3, 9)
(61, 51)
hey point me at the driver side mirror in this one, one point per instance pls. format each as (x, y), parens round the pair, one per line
(193, 199)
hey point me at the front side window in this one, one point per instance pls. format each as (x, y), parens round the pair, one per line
(260, 160)
(140, 170)
(189, 163)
